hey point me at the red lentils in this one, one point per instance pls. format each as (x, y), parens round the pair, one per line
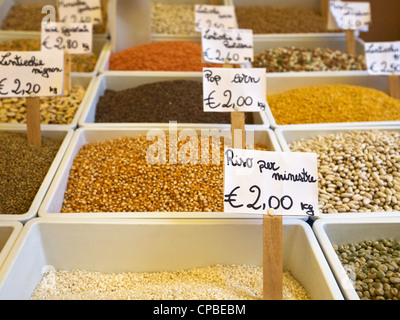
(161, 56)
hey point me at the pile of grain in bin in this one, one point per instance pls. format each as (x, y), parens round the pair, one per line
(217, 282)
(293, 59)
(53, 110)
(79, 62)
(373, 267)
(164, 101)
(133, 174)
(172, 18)
(264, 19)
(28, 17)
(358, 171)
(160, 56)
(332, 103)
(22, 170)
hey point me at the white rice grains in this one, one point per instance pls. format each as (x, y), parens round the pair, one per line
(219, 282)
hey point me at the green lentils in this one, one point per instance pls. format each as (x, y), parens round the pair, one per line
(373, 268)
(22, 170)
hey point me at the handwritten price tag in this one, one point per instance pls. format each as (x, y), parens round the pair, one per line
(227, 45)
(26, 73)
(208, 16)
(75, 38)
(349, 15)
(255, 181)
(80, 11)
(229, 89)
(383, 57)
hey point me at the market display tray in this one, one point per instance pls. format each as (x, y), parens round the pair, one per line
(52, 204)
(157, 245)
(340, 232)
(64, 136)
(120, 81)
(278, 83)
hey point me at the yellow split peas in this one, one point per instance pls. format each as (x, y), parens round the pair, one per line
(333, 103)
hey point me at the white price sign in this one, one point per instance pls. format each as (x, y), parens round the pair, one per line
(349, 15)
(227, 45)
(80, 11)
(75, 38)
(31, 73)
(383, 58)
(209, 16)
(260, 181)
(230, 89)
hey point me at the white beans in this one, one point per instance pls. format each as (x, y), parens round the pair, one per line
(358, 170)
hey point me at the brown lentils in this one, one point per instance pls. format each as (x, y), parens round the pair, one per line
(118, 176)
(176, 100)
(263, 19)
(373, 268)
(22, 170)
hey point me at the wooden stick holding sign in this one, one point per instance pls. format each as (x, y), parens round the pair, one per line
(247, 85)
(349, 16)
(34, 134)
(272, 257)
(31, 75)
(67, 72)
(351, 41)
(256, 180)
(272, 227)
(237, 123)
(394, 86)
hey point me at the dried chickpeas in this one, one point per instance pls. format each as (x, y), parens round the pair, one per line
(358, 171)
(119, 176)
(332, 103)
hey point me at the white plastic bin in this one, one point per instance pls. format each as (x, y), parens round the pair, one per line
(9, 231)
(64, 136)
(121, 81)
(52, 203)
(278, 83)
(158, 245)
(339, 232)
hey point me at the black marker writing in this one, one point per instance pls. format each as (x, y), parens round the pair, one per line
(303, 176)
